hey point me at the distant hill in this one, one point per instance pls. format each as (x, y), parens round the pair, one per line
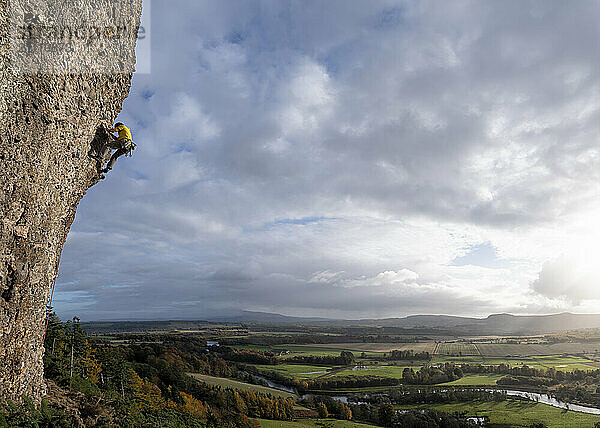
(266, 317)
(502, 324)
(496, 324)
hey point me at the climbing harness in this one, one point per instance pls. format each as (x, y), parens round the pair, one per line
(130, 146)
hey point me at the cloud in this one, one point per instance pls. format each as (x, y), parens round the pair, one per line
(568, 279)
(403, 277)
(311, 157)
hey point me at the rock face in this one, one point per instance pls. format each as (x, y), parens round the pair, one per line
(56, 94)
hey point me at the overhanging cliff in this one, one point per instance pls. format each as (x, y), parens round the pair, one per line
(56, 91)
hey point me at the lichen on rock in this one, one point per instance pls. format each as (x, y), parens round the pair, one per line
(56, 95)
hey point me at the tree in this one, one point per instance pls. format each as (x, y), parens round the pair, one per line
(56, 363)
(145, 392)
(385, 414)
(91, 366)
(408, 375)
(322, 410)
(193, 406)
(347, 357)
(77, 339)
(115, 373)
(345, 412)
(238, 402)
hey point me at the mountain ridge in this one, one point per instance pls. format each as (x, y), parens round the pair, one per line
(493, 324)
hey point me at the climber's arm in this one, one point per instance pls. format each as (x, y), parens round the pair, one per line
(113, 136)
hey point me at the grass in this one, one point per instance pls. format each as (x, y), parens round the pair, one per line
(503, 349)
(475, 380)
(320, 350)
(377, 348)
(558, 362)
(230, 383)
(456, 348)
(517, 413)
(374, 370)
(302, 423)
(299, 371)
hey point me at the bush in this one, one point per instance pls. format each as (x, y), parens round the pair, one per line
(85, 386)
(26, 415)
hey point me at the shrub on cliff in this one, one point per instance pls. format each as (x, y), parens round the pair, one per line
(26, 415)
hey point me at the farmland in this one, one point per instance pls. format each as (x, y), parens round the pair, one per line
(288, 350)
(299, 371)
(462, 348)
(449, 367)
(379, 347)
(557, 362)
(517, 413)
(373, 370)
(456, 348)
(475, 380)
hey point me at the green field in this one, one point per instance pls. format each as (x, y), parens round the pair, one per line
(230, 383)
(375, 348)
(373, 370)
(516, 413)
(294, 350)
(558, 362)
(302, 423)
(299, 371)
(456, 348)
(475, 379)
(504, 349)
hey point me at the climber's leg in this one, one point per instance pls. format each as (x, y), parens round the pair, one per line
(113, 158)
(111, 145)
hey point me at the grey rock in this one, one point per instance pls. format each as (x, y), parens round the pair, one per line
(51, 119)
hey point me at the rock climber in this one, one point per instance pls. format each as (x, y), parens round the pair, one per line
(123, 142)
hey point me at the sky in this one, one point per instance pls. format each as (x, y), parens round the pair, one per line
(351, 159)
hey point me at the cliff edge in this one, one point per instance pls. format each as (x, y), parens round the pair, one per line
(58, 88)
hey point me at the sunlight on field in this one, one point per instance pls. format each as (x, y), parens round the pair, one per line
(457, 348)
(294, 350)
(374, 370)
(475, 379)
(504, 349)
(298, 371)
(559, 362)
(516, 413)
(379, 347)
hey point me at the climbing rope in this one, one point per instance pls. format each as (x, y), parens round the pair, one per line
(48, 309)
(49, 305)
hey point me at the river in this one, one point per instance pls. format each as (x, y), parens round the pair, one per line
(546, 399)
(276, 385)
(533, 396)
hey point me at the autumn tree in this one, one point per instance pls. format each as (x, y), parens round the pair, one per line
(91, 366)
(322, 410)
(345, 412)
